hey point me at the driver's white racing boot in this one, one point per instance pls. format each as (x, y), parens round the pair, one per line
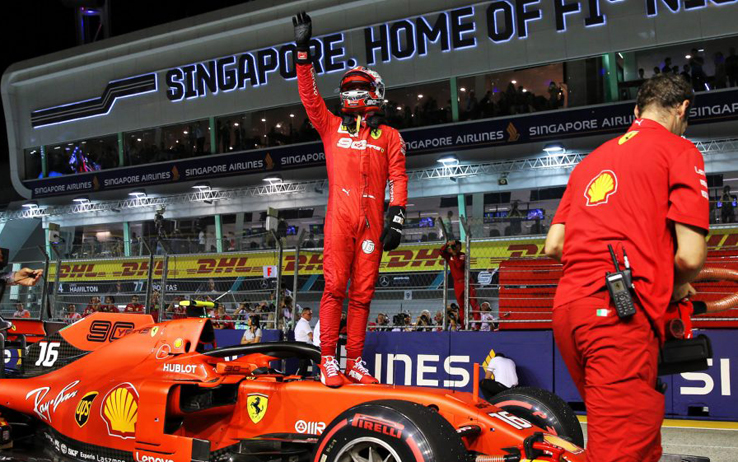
(330, 372)
(357, 372)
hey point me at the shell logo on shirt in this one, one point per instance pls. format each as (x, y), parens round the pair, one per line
(602, 186)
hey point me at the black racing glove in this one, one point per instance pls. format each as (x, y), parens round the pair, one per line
(375, 119)
(392, 233)
(303, 33)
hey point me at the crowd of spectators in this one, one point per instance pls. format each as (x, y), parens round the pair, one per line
(515, 99)
(725, 73)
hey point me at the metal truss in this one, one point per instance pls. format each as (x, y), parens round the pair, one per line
(729, 146)
(553, 161)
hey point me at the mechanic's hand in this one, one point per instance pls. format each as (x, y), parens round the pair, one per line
(27, 276)
(392, 233)
(682, 291)
(303, 29)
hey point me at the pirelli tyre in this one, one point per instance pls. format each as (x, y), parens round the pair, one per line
(390, 431)
(543, 409)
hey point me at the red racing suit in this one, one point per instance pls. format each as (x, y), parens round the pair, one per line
(359, 167)
(457, 265)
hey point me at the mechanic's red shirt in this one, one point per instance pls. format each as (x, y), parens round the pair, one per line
(628, 193)
(456, 264)
(134, 308)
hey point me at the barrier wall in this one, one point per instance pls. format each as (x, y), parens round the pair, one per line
(445, 359)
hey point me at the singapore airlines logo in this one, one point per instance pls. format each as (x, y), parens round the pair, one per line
(601, 187)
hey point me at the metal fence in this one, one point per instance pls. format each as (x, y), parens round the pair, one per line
(507, 283)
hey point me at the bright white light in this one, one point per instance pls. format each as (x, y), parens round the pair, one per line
(420, 96)
(185, 132)
(688, 56)
(462, 89)
(292, 115)
(514, 82)
(138, 139)
(279, 125)
(449, 160)
(553, 147)
(263, 120)
(399, 108)
(235, 124)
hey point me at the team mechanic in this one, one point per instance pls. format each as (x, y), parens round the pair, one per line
(645, 193)
(456, 259)
(361, 155)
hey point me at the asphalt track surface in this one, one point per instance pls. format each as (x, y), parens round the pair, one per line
(716, 440)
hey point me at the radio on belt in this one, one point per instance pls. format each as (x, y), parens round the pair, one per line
(619, 284)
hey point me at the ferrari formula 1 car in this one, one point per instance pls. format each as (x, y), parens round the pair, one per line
(118, 387)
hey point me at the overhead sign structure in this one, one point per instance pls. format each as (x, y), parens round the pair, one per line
(538, 127)
(495, 22)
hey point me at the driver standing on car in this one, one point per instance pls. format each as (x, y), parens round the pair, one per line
(644, 193)
(362, 156)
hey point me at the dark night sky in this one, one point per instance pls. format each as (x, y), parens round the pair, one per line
(34, 28)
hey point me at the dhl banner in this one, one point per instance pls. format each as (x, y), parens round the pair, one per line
(485, 255)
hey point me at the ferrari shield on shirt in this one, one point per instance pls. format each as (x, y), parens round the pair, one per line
(629, 193)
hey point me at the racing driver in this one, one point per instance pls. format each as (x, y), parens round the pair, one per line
(361, 156)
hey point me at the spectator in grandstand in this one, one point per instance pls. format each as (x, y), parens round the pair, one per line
(201, 241)
(686, 73)
(92, 307)
(696, 63)
(221, 320)
(287, 309)
(727, 211)
(641, 74)
(666, 69)
(72, 313)
(731, 67)
(21, 311)
(720, 79)
(252, 334)
(501, 374)
(488, 319)
(303, 331)
(154, 305)
(456, 259)
(134, 306)
(656, 71)
(109, 305)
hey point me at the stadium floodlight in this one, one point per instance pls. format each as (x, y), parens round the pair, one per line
(205, 186)
(31, 205)
(553, 148)
(138, 193)
(271, 179)
(82, 199)
(449, 160)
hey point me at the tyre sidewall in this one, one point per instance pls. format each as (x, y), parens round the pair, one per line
(379, 422)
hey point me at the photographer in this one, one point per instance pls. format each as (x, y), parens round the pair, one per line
(423, 324)
(645, 194)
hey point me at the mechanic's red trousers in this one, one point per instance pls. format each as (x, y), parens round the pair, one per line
(614, 365)
(353, 251)
(473, 305)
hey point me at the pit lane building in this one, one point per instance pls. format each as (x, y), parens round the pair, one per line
(212, 102)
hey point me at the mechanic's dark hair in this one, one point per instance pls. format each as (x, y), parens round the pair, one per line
(500, 355)
(255, 320)
(665, 90)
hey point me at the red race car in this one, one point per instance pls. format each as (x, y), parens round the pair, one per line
(118, 387)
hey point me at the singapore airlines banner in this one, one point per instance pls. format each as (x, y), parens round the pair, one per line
(552, 125)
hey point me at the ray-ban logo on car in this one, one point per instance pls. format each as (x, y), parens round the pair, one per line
(45, 409)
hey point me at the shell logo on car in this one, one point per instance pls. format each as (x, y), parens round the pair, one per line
(601, 187)
(119, 410)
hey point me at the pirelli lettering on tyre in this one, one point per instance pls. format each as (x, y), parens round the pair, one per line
(82, 412)
(378, 425)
